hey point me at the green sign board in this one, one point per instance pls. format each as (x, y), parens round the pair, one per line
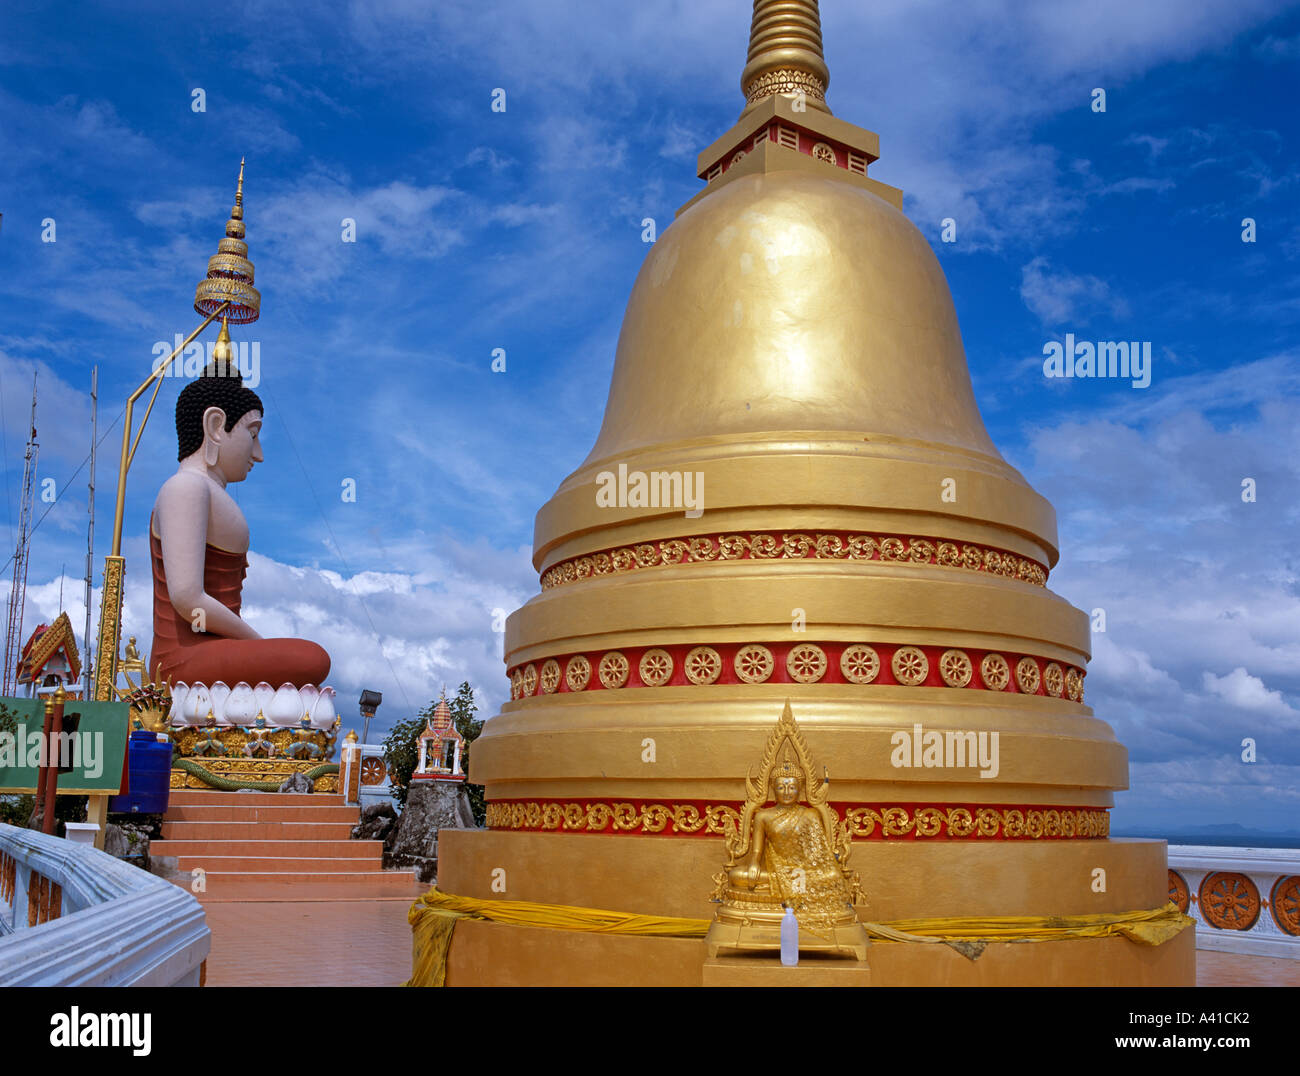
(91, 759)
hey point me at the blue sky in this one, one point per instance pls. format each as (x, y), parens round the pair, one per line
(522, 230)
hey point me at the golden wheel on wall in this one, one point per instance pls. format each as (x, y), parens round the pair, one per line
(517, 685)
(823, 152)
(1027, 676)
(577, 673)
(995, 671)
(754, 663)
(613, 670)
(1285, 902)
(910, 665)
(955, 668)
(1178, 891)
(806, 663)
(703, 665)
(1074, 685)
(550, 676)
(860, 664)
(530, 678)
(656, 667)
(372, 770)
(1229, 901)
(1054, 680)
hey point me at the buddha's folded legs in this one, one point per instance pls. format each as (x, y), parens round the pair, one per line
(276, 661)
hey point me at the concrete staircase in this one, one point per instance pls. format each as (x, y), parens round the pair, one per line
(273, 846)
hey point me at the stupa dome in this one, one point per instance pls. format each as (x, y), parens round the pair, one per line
(789, 302)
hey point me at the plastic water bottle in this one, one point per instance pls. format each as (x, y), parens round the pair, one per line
(789, 939)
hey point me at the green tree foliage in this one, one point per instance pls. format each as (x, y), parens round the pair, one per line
(402, 752)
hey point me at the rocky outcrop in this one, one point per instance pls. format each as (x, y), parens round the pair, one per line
(377, 822)
(129, 841)
(430, 806)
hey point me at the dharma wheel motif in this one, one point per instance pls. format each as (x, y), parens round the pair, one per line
(1027, 676)
(995, 671)
(614, 669)
(703, 665)
(517, 685)
(860, 664)
(823, 152)
(1229, 901)
(1054, 680)
(372, 770)
(806, 663)
(530, 679)
(1178, 891)
(656, 667)
(955, 668)
(754, 663)
(1074, 685)
(577, 672)
(910, 665)
(550, 676)
(1285, 901)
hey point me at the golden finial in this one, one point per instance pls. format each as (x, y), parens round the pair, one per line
(785, 53)
(230, 273)
(351, 737)
(223, 352)
(238, 212)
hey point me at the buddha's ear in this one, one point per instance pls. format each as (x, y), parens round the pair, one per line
(214, 430)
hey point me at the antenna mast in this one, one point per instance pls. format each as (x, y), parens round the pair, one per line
(18, 589)
(86, 666)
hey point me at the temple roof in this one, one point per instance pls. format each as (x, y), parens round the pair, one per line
(45, 642)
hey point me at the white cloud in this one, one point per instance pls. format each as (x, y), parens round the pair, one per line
(1061, 297)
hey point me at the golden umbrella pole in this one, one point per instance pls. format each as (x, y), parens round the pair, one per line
(110, 609)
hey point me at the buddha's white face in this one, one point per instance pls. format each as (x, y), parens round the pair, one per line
(240, 448)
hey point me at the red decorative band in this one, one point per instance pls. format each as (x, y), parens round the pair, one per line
(824, 545)
(797, 663)
(865, 821)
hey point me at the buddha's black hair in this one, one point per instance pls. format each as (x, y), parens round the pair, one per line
(220, 385)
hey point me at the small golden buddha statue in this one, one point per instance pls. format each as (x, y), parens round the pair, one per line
(792, 854)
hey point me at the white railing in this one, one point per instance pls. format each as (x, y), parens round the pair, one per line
(71, 915)
(1244, 900)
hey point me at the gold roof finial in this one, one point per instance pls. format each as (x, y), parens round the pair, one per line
(230, 273)
(785, 53)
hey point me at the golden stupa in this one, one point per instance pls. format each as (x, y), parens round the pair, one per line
(790, 351)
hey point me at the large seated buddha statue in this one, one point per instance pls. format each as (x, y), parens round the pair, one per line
(198, 541)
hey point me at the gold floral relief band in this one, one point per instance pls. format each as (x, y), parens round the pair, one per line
(864, 821)
(841, 545)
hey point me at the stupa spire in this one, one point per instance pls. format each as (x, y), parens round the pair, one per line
(785, 53)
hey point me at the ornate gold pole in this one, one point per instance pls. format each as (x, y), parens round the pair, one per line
(110, 609)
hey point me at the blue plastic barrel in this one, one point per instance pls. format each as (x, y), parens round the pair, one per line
(149, 769)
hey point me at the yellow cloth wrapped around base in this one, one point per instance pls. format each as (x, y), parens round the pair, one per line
(433, 919)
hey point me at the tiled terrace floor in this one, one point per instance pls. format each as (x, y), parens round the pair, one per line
(368, 942)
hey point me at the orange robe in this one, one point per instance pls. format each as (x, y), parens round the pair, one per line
(191, 656)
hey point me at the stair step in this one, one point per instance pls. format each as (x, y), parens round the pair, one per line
(262, 848)
(257, 831)
(224, 865)
(327, 885)
(201, 798)
(261, 813)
